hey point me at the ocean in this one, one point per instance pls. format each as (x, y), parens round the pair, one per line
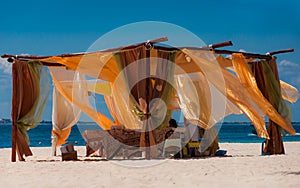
(229, 132)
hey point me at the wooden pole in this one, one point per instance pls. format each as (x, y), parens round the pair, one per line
(148, 84)
(161, 39)
(212, 47)
(220, 45)
(281, 51)
(13, 115)
(246, 54)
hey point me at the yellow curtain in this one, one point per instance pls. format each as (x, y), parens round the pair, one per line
(289, 92)
(249, 83)
(229, 86)
(234, 94)
(96, 86)
(194, 100)
(112, 109)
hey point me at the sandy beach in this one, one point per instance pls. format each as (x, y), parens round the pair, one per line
(243, 167)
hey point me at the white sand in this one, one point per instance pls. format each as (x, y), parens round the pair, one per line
(245, 168)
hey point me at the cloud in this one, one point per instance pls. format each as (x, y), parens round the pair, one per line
(296, 80)
(288, 68)
(286, 63)
(289, 72)
(5, 66)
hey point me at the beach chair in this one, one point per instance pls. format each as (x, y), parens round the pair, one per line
(193, 144)
(173, 144)
(193, 148)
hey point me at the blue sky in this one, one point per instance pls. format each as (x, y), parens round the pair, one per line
(56, 27)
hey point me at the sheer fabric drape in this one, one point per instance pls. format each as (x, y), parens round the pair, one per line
(230, 87)
(31, 85)
(261, 83)
(64, 116)
(144, 98)
(266, 75)
(76, 92)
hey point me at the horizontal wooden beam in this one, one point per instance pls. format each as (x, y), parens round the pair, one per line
(246, 54)
(211, 47)
(161, 39)
(281, 51)
(220, 45)
(23, 56)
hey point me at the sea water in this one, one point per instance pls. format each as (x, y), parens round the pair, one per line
(229, 132)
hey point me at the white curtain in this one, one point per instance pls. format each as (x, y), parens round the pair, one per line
(64, 113)
(64, 116)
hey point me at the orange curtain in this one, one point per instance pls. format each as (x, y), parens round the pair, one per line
(70, 92)
(229, 86)
(259, 87)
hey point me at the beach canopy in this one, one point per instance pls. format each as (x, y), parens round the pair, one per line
(142, 84)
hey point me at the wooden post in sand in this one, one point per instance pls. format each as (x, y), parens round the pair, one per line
(148, 84)
(13, 115)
